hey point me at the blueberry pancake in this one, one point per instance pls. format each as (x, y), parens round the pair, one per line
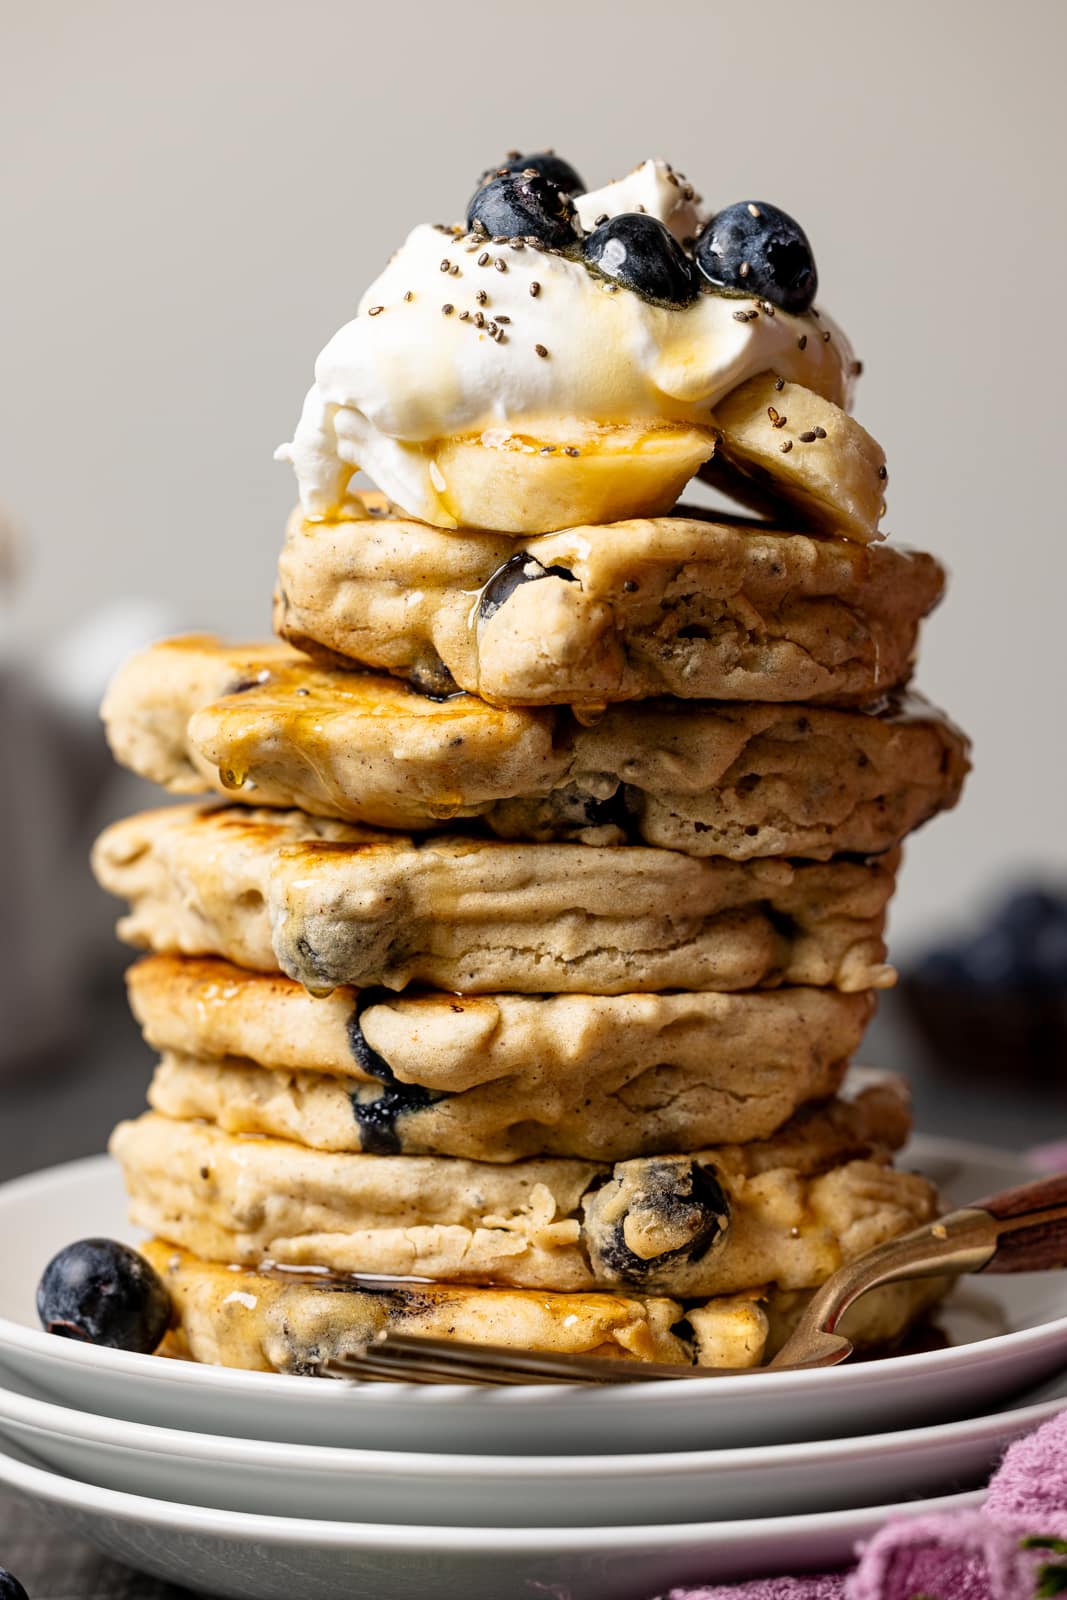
(680, 605)
(271, 1321)
(787, 1210)
(332, 903)
(488, 1077)
(274, 1321)
(266, 725)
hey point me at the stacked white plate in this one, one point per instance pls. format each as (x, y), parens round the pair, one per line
(256, 1485)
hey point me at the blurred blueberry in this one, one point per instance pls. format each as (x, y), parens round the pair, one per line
(1047, 955)
(994, 959)
(1028, 909)
(944, 967)
(1021, 945)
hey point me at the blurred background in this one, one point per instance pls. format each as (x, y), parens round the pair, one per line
(194, 198)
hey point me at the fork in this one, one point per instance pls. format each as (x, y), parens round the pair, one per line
(1020, 1230)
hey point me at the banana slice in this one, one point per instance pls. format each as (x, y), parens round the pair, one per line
(783, 442)
(517, 483)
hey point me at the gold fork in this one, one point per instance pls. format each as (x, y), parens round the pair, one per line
(1021, 1230)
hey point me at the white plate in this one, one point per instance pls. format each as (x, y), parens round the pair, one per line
(1013, 1332)
(227, 1554)
(511, 1491)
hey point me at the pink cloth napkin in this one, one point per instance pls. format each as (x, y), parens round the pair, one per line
(989, 1554)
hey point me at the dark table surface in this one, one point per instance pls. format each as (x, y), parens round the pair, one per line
(52, 1565)
(55, 1111)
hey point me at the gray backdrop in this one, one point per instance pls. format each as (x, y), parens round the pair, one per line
(194, 197)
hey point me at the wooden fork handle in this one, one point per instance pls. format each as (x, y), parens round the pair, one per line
(1032, 1231)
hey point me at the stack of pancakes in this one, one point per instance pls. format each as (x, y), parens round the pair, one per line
(508, 990)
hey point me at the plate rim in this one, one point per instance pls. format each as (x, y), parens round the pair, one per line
(229, 1450)
(638, 1397)
(261, 1528)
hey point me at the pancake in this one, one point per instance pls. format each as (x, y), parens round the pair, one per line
(291, 1322)
(330, 903)
(493, 1077)
(787, 1210)
(271, 1321)
(262, 723)
(680, 605)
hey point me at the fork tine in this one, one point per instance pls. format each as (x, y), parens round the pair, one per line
(387, 1373)
(364, 1368)
(407, 1356)
(417, 1359)
(421, 1370)
(425, 1369)
(475, 1363)
(456, 1361)
(542, 1365)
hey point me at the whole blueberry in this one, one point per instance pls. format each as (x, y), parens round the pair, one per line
(992, 959)
(640, 252)
(10, 1587)
(1026, 910)
(757, 249)
(945, 967)
(547, 163)
(104, 1293)
(527, 205)
(1045, 959)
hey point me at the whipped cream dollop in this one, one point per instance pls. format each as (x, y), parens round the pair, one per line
(461, 337)
(653, 187)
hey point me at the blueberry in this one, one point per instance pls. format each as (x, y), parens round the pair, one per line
(757, 249)
(517, 570)
(524, 204)
(104, 1293)
(638, 251)
(547, 163)
(991, 960)
(377, 1116)
(10, 1588)
(1046, 955)
(944, 968)
(1021, 946)
(612, 812)
(430, 677)
(683, 1198)
(1027, 910)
